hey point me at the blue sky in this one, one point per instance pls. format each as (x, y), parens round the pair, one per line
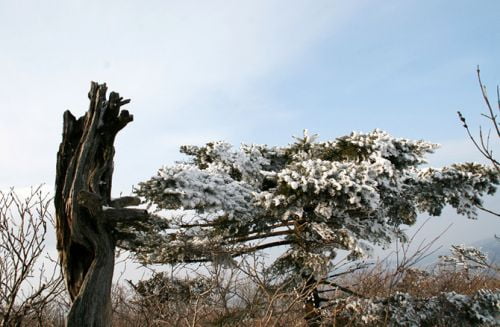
(243, 71)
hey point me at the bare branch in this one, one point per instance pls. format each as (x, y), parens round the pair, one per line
(23, 227)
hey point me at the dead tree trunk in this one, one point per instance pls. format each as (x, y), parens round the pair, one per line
(86, 216)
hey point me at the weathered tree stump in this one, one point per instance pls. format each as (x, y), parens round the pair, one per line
(86, 216)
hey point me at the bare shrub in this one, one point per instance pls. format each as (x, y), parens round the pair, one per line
(27, 286)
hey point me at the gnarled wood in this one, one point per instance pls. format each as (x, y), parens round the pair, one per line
(85, 232)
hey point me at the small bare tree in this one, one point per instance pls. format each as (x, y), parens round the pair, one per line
(27, 287)
(483, 143)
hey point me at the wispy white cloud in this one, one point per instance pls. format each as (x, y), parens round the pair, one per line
(176, 60)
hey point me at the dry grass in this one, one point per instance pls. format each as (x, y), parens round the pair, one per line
(382, 282)
(254, 308)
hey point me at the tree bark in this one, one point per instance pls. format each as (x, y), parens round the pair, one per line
(86, 235)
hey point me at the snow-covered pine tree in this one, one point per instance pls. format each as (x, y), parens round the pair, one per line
(312, 197)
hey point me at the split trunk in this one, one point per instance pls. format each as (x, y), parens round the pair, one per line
(86, 216)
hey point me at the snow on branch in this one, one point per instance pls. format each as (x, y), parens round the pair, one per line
(315, 197)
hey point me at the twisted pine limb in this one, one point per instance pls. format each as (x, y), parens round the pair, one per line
(86, 216)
